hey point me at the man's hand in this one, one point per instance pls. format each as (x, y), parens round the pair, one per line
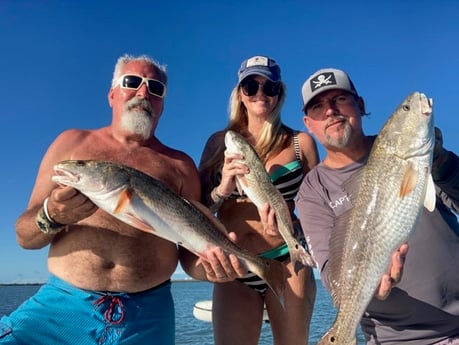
(221, 267)
(66, 205)
(390, 279)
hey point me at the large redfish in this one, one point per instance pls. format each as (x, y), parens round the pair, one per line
(391, 191)
(146, 203)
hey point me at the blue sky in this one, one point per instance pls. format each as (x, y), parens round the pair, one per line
(58, 56)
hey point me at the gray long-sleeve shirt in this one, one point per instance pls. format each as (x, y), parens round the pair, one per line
(424, 307)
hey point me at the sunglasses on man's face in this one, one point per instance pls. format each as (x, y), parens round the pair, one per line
(250, 87)
(134, 82)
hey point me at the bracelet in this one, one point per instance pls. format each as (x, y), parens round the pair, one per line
(217, 200)
(45, 209)
(215, 196)
(45, 223)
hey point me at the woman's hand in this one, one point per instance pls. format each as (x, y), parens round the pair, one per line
(233, 165)
(268, 220)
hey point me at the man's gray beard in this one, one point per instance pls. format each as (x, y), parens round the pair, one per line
(138, 122)
(138, 117)
(340, 143)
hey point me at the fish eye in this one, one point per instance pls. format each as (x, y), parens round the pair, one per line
(406, 107)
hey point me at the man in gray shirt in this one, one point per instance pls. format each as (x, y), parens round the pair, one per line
(421, 306)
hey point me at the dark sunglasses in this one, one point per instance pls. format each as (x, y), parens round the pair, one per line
(250, 87)
(134, 82)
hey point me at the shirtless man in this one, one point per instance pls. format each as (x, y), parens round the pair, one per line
(109, 283)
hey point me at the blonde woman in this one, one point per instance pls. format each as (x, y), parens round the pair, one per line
(255, 113)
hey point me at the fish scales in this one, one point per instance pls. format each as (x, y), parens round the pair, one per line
(260, 190)
(391, 190)
(146, 203)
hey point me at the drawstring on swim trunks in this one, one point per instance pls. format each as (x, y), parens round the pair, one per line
(109, 313)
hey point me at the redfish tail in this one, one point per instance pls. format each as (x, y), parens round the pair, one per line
(300, 258)
(275, 275)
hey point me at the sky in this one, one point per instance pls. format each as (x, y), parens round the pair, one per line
(57, 61)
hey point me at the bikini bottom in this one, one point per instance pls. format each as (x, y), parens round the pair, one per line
(255, 282)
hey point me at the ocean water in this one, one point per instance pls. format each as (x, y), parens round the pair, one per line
(189, 330)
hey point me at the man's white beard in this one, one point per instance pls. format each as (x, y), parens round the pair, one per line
(138, 117)
(138, 122)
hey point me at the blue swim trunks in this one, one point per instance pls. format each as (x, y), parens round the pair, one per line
(60, 313)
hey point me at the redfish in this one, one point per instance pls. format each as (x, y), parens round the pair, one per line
(147, 204)
(392, 190)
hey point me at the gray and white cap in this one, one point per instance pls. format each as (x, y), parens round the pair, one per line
(323, 80)
(260, 65)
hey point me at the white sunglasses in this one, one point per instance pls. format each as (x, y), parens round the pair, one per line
(134, 82)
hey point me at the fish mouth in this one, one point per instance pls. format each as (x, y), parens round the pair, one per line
(65, 175)
(426, 107)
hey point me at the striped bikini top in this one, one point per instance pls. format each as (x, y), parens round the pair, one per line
(287, 178)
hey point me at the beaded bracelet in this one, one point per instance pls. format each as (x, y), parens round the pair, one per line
(45, 223)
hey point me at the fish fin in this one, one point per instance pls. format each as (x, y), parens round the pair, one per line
(132, 220)
(409, 181)
(129, 217)
(299, 256)
(430, 198)
(239, 187)
(275, 275)
(206, 212)
(303, 259)
(288, 219)
(241, 182)
(124, 200)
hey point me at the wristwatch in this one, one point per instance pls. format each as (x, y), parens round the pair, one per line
(45, 223)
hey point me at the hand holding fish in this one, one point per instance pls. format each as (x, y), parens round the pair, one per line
(390, 279)
(66, 205)
(232, 166)
(222, 267)
(268, 220)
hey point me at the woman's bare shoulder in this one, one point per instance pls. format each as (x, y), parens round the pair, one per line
(308, 147)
